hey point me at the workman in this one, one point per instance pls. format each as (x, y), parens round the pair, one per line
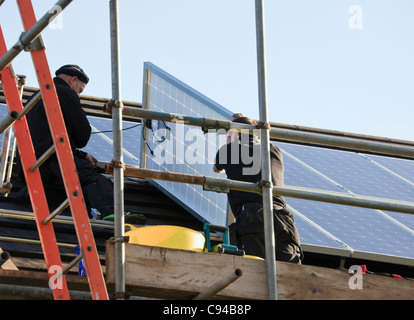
(70, 81)
(240, 159)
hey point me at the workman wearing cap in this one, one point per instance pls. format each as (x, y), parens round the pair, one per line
(70, 81)
(240, 159)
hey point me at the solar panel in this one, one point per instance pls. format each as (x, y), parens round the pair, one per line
(175, 147)
(361, 229)
(402, 168)
(312, 234)
(354, 172)
(100, 144)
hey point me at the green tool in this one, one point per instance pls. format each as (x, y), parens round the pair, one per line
(224, 247)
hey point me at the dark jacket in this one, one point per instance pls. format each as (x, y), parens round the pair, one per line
(77, 125)
(242, 162)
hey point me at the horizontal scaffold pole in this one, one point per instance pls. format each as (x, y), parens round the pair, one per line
(278, 133)
(28, 37)
(26, 215)
(225, 185)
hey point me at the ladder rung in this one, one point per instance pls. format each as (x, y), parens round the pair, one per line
(70, 266)
(57, 211)
(30, 105)
(42, 158)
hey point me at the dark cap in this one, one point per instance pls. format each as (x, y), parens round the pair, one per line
(73, 70)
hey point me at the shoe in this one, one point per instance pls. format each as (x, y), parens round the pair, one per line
(130, 217)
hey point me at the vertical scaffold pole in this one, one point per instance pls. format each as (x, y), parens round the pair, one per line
(265, 151)
(118, 156)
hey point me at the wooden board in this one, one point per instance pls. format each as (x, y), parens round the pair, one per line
(178, 274)
(40, 279)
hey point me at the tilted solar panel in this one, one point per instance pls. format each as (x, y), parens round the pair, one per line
(183, 148)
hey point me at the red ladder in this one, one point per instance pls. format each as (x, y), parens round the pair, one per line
(30, 164)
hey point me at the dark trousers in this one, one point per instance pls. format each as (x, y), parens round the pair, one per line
(96, 188)
(249, 234)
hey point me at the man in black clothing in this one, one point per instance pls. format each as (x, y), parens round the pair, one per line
(70, 81)
(240, 158)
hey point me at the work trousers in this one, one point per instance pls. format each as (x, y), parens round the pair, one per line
(96, 188)
(248, 233)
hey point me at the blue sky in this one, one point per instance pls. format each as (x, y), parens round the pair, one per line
(342, 65)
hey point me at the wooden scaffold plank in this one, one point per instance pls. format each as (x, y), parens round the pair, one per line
(179, 274)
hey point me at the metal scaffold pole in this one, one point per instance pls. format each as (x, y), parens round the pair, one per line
(265, 151)
(118, 156)
(387, 148)
(225, 185)
(30, 35)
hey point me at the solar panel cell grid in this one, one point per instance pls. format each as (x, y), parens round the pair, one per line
(362, 229)
(401, 167)
(188, 150)
(101, 142)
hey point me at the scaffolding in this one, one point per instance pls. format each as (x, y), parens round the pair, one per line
(264, 187)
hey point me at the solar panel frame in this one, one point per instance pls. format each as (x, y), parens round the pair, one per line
(165, 93)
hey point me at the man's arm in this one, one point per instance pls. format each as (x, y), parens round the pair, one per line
(231, 136)
(76, 121)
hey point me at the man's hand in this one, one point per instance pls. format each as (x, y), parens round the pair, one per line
(92, 160)
(237, 115)
(217, 170)
(108, 107)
